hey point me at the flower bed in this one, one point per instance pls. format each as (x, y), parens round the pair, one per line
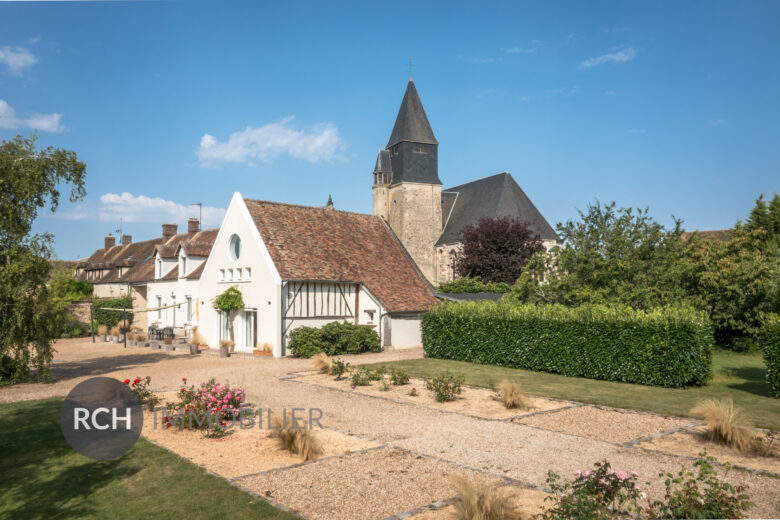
(477, 402)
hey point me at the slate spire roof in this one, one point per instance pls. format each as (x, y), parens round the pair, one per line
(411, 124)
(495, 196)
(383, 164)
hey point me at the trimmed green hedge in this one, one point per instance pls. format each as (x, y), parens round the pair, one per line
(669, 347)
(769, 339)
(112, 318)
(333, 338)
(472, 285)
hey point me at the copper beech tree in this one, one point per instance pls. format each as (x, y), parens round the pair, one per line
(496, 249)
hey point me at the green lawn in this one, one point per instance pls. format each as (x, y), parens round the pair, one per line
(739, 376)
(42, 477)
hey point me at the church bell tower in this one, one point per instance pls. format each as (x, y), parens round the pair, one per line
(407, 189)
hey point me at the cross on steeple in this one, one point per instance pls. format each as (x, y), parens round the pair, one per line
(410, 68)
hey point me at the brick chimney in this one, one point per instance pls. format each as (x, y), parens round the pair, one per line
(169, 230)
(127, 240)
(193, 226)
(109, 241)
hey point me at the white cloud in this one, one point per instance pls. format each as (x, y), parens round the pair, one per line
(319, 143)
(488, 60)
(16, 59)
(621, 56)
(716, 122)
(42, 122)
(520, 50)
(140, 208)
(610, 93)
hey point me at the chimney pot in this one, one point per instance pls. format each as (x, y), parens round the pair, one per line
(193, 226)
(109, 241)
(127, 240)
(169, 230)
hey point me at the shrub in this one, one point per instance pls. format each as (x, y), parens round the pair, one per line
(339, 368)
(322, 363)
(130, 336)
(112, 318)
(508, 392)
(332, 339)
(102, 330)
(726, 424)
(399, 377)
(361, 377)
(472, 285)
(140, 337)
(141, 388)
(297, 437)
(376, 374)
(446, 386)
(769, 340)
(702, 495)
(207, 407)
(669, 347)
(195, 339)
(597, 494)
(480, 501)
(115, 331)
(384, 385)
(413, 392)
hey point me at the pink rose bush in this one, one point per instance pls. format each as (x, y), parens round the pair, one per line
(210, 406)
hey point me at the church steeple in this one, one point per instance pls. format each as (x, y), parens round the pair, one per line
(412, 146)
(411, 124)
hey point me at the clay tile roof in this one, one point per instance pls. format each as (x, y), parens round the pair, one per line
(141, 272)
(320, 244)
(198, 244)
(197, 272)
(173, 274)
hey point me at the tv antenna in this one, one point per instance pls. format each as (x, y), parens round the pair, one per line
(200, 214)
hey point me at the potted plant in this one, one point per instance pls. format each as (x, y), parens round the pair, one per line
(140, 339)
(130, 338)
(115, 334)
(194, 342)
(226, 347)
(266, 350)
(229, 302)
(102, 331)
(168, 344)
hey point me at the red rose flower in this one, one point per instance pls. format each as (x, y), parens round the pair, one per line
(126, 382)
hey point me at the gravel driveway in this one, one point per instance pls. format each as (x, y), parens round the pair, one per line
(521, 452)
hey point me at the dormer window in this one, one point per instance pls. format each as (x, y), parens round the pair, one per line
(182, 266)
(158, 268)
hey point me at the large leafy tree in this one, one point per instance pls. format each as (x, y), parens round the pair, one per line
(608, 255)
(496, 249)
(30, 316)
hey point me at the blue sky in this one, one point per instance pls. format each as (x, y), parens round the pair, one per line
(669, 105)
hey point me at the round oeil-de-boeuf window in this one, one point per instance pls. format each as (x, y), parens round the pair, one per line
(235, 247)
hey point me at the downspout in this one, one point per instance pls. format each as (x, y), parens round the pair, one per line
(283, 310)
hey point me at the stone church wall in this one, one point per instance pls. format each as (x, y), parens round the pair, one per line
(415, 216)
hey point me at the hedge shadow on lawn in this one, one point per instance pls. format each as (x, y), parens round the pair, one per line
(755, 380)
(31, 475)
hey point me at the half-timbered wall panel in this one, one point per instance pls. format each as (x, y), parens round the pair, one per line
(319, 299)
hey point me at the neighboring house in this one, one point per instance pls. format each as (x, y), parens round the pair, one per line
(408, 194)
(176, 267)
(300, 265)
(107, 268)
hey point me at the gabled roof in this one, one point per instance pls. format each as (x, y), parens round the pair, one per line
(411, 124)
(173, 274)
(129, 255)
(197, 272)
(140, 272)
(197, 244)
(317, 244)
(494, 196)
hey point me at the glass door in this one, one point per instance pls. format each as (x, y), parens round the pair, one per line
(250, 329)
